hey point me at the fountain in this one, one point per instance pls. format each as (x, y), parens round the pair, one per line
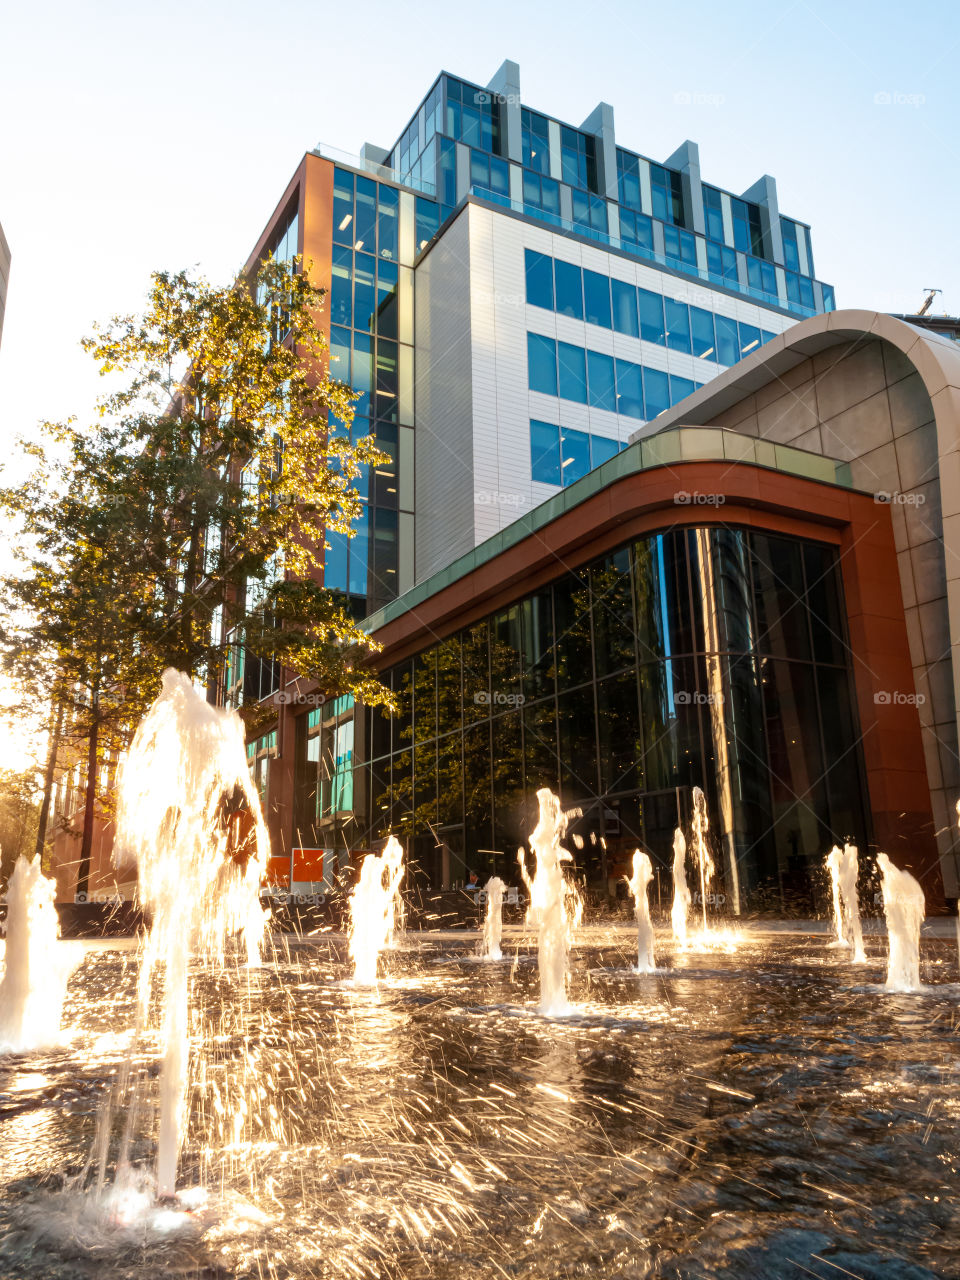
(904, 906)
(681, 891)
(555, 906)
(849, 870)
(184, 792)
(638, 884)
(832, 864)
(704, 860)
(493, 920)
(36, 963)
(373, 910)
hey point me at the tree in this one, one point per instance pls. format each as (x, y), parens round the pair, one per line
(190, 516)
(18, 819)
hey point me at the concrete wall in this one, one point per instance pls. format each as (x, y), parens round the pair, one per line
(865, 401)
(443, 390)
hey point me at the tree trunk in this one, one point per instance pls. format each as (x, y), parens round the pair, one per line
(86, 844)
(55, 731)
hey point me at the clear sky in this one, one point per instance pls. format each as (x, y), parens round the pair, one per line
(135, 136)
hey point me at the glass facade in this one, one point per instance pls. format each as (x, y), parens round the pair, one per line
(560, 181)
(597, 299)
(366, 352)
(708, 656)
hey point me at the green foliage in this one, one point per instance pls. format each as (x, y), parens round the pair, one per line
(191, 512)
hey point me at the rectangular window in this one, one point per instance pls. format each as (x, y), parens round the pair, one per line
(542, 362)
(791, 254)
(722, 262)
(596, 299)
(569, 285)
(602, 450)
(574, 453)
(600, 377)
(749, 339)
(703, 342)
(629, 389)
(677, 316)
(341, 286)
(535, 137)
(545, 453)
(539, 269)
(829, 303)
(656, 393)
(713, 208)
(728, 340)
(636, 229)
(572, 379)
(343, 207)
(388, 210)
(651, 316)
(427, 222)
(680, 388)
(625, 317)
(628, 177)
(499, 176)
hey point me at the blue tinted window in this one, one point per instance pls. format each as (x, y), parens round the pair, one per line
(828, 298)
(575, 454)
(749, 340)
(680, 387)
(388, 208)
(680, 245)
(569, 289)
(535, 138)
(721, 261)
(791, 254)
(539, 279)
(629, 389)
(602, 449)
(702, 339)
(387, 273)
(728, 340)
(625, 308)
(677, 318)
(335, 561)
(427, 222)
(364, 292)
(447, 184)
(365, 236)
(545, 453)
(656, 392)
(714, 213)
(806, 291)
(651, 316)
(362, 366)
(766, 337)
(340, 354)
(628, 176)
(793, 286)
(603, 393)
(499, 176)
(596, 299)
(359, 550)
(341, 286)
(343, 207)
(572, 366)
(542, 359)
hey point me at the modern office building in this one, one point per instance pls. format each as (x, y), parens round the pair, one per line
(4, 276)
(512, 297)
(628, 541)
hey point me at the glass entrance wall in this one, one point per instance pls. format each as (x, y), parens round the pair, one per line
(712, 657)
